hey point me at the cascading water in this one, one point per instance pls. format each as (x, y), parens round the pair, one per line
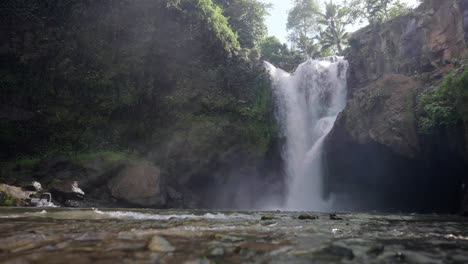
(308, 101)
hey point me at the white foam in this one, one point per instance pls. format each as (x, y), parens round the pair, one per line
(146, 216)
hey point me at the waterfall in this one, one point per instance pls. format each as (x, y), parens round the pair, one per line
(308, 102)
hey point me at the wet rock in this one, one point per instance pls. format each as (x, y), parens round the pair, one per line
(65, 189)
(140, 184)
(420, 258)
(267, 217)
(217, 252)
(247, 253)
(307, 217)
(73, 203)
(376, 250)
(160, 244)
(228, 238)
(12, 195)
(399, 256)
(268, 223)
(335, 253)
(198, 261)
(34, 186)
(335, 217)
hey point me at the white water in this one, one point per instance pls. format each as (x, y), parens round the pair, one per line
(308, 101)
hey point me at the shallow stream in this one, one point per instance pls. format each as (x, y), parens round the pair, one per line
(59, 235)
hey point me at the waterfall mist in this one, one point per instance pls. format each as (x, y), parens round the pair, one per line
(308, 102)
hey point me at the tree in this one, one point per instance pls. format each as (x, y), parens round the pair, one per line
(379, 11)
(247, 19)
(333, 34)
(279, 54)
(302, 25)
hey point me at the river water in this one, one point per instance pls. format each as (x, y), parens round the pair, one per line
(64, 235)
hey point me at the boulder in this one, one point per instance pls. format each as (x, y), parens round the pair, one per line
(140, 185)
(12, 195)
(66, 189)
(382, 112)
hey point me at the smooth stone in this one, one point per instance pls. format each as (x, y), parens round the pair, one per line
(335, 217)
(217, 252)
(160, 244)
(267, 217)
(307, 217)
(268, 223)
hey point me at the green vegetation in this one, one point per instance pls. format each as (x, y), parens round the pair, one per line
(163, 80)
(318, 31)
(247, 19)
(279, 54)
(446, 106)
(378, 11)
(108, 157)
(302, 26)
(6, 200)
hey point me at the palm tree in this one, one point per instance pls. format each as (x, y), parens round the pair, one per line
(335, 19)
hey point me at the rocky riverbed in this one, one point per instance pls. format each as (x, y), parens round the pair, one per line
(58, 235)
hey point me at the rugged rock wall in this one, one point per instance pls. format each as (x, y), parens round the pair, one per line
(377, 157)
(429, 38)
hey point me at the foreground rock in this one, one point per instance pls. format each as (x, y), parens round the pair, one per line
(139, 185)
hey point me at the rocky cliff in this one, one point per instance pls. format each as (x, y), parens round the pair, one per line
(166, 81)
(400, 144)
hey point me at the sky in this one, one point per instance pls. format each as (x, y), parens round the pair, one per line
(276, 22)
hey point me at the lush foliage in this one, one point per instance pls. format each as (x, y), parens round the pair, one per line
(279, 54)
(333, 36)
(318, 31)
(162, 79)
(302, 26)
(247, 19)
(445, 106)
(378, 11)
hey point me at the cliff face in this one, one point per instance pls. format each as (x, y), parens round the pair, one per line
(166, 80)
(377, 154)
(428, 39)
